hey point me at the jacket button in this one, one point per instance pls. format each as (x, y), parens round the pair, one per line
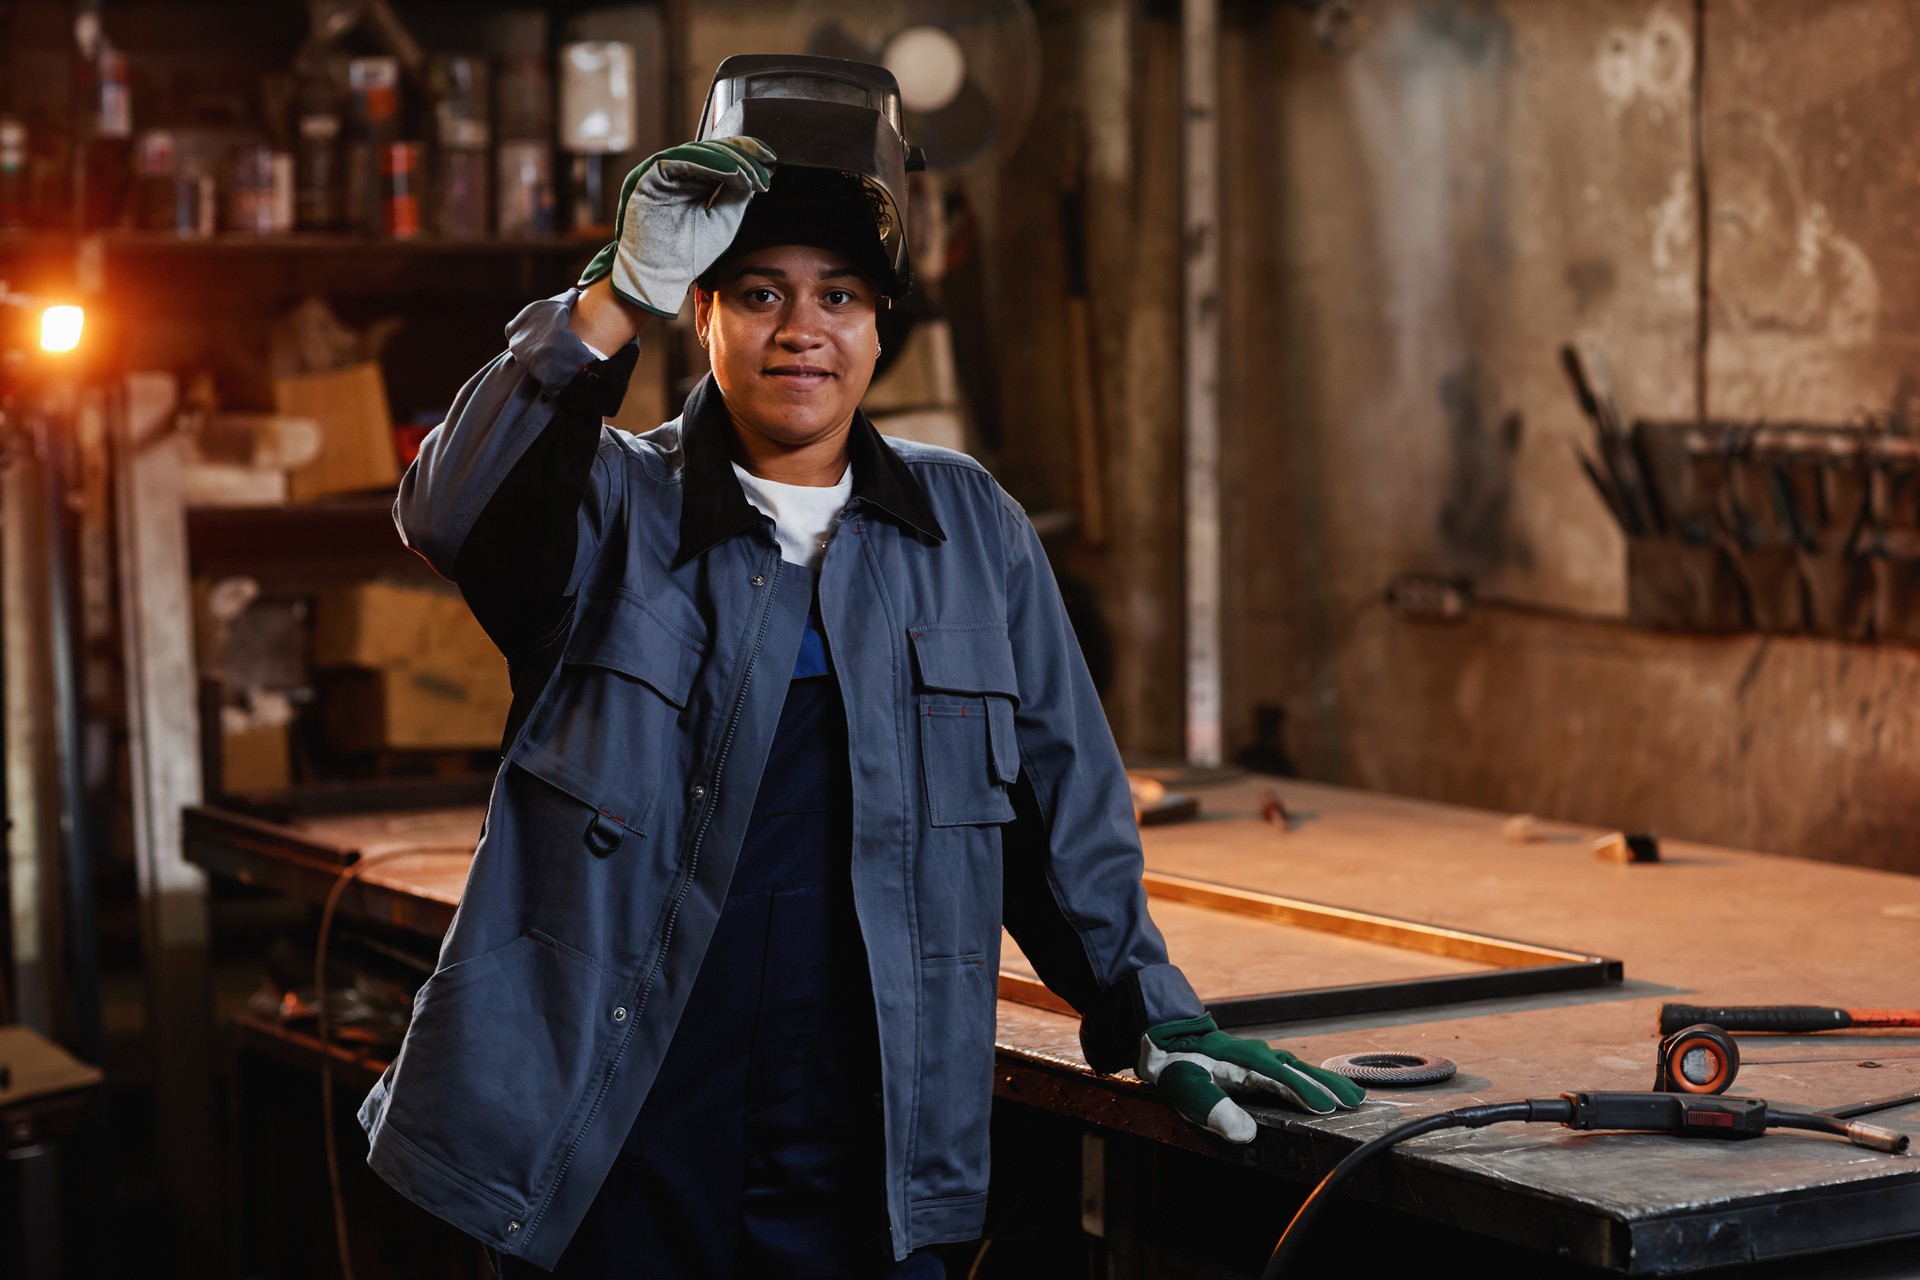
(699, 792)
(513, 1228)
(620, 1014)
(758, 579)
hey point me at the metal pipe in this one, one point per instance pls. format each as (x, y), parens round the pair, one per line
(83, 952)
(1200, 61)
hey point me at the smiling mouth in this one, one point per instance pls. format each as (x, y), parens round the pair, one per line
(802, 374)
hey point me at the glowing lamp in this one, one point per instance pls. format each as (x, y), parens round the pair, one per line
(60, 328)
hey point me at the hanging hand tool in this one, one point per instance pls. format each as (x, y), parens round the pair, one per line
(1623, 473)
(1790, 1018)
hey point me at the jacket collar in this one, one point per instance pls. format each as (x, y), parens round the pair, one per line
(714, 508)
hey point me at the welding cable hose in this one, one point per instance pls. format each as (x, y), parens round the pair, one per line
(1536, 1109)
(1859, 1133)
(1718, 1117)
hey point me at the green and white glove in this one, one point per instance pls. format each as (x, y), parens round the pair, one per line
(1192, 1063)
(678, 213)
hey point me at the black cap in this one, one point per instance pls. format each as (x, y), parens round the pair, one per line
(841, 212)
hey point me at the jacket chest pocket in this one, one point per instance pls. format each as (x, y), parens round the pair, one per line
(964, 702)
(608, 732)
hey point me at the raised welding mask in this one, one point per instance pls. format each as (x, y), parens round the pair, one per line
(820, 113)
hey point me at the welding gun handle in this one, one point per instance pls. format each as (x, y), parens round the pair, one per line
(1758, 1017)
(1718, 1117)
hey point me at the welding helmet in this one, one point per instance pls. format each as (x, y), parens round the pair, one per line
(824, 113)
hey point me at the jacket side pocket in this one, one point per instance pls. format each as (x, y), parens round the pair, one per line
(500, 1049)
(950, 1147)
(969, 754)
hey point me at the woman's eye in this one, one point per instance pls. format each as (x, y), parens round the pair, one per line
(762, 294)
(839, 297)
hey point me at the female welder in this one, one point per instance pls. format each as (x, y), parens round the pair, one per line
(797, 710)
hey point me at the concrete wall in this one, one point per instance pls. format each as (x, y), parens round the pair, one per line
(1421, 223)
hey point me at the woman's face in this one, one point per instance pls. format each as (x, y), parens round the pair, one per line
(791, 335)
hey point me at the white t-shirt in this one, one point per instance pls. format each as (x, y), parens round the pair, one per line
(804, 515)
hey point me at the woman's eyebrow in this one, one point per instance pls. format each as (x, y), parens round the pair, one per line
(778, 273)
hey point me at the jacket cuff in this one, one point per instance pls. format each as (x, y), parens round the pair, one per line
(1146, 997)
(543, 343)
(597, 390)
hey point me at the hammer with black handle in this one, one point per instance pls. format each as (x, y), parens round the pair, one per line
(1792, 1018)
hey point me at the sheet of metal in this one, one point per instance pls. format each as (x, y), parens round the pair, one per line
(1516, 968)
(1406, 934)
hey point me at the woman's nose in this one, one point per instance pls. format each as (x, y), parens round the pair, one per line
(799, 326)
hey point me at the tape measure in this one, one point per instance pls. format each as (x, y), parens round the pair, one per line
(1697, 1059)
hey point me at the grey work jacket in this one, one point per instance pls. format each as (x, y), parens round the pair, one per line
(648, 686)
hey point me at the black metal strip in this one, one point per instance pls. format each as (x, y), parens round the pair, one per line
(1413, 993)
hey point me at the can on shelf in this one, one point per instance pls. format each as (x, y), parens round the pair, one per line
(400, 175)
(250, 191)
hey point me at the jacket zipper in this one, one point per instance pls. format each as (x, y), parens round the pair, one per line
(673, 913)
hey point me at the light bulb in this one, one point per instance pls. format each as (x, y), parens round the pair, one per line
(930, 66)
(60, 328)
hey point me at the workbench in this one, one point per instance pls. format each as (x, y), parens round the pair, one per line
(1704, 925)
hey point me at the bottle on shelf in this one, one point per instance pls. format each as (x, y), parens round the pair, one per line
(16, 175)
(523, 157)
(318, 136)
(373, 118)
(107, 170)
(462, 134)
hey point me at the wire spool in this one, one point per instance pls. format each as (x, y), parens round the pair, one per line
(1698, 1059)
(1392, 1070)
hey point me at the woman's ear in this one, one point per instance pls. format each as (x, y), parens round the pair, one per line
(702, 313)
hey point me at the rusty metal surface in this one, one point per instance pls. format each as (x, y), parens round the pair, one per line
(417, 886)
(1260, 958)
(1707, 922)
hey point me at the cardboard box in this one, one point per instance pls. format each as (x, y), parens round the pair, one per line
(255, 758)
(356, 430)
(414, 710)
(406, 669)
(385, 625)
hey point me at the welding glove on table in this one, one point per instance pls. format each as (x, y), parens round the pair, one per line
(1192, 1064)
(679, 210)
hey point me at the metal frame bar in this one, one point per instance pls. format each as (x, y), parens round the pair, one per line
(1200, 374)
(1519, 968)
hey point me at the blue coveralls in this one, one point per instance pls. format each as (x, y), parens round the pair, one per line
(758, 1151)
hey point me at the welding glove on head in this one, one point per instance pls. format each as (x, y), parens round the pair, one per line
(679, 210)
(1192, 1064)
